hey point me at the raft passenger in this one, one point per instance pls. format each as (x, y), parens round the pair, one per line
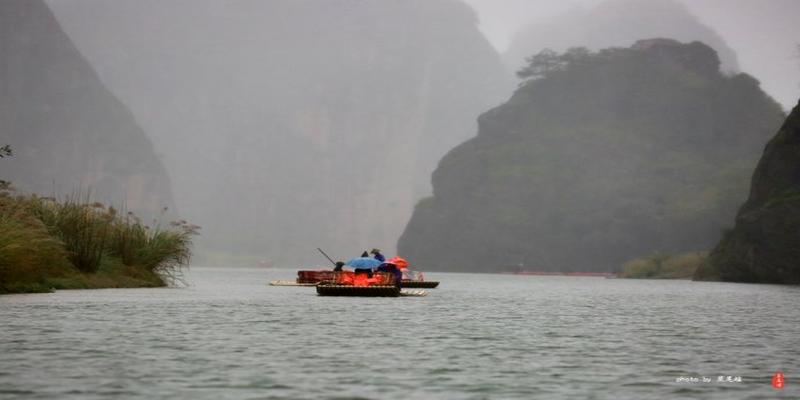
(378, 255)
(392, 269)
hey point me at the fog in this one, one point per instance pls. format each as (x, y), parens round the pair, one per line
(763, 34)
(291, 125)
(573, 197)
(286, 125)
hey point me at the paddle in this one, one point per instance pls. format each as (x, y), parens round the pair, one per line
(326, 256)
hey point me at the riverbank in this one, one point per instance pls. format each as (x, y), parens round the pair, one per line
(116, 275)
(664, 266)
(48, 244)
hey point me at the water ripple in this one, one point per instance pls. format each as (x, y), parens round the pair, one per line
(229, 336)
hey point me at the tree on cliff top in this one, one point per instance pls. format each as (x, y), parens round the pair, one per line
(545, 62)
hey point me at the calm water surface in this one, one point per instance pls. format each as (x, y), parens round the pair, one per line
(230, 336)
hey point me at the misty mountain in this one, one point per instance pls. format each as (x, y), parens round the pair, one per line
(764, 246)
(616, 23)
(289, 124)
(597, 159)
(69, 134)
(765, 35)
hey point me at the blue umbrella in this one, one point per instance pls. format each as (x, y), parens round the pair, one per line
(363, 263)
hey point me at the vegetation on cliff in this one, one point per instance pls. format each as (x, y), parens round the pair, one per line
(599, 26)
(664, 266)
(764, 245)
(47, 244)
(598, 158)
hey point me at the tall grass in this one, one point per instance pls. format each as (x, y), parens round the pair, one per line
(81, 226)
(162, 251)
(43, 238)
(127, 237)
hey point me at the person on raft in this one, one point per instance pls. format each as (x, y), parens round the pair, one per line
(378, 255)
(392, 268)
(339, 266)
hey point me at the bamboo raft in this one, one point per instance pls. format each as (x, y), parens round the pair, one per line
(413, 293)
(420, 284)
(290, 283)
(361, 291)
(366, 291)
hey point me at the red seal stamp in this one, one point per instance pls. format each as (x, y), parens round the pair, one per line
(778, 380)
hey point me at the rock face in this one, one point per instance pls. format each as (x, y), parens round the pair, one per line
(294, 124)
(617, 23)
(69, 134)
(764, 246)
(603, 158)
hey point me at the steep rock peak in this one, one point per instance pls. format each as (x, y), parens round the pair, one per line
(763, 245)
(695, 56)
(599, 157)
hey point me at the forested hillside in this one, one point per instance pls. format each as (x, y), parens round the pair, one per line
(598, 158)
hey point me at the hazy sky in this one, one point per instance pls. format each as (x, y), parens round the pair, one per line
(764, 33)
(500, 19)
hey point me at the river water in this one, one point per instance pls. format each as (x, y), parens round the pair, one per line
(230, 336)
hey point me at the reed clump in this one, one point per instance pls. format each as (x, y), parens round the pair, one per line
(163, 251)
(74, 243)
(81, 227)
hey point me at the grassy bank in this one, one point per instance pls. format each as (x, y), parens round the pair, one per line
(48, 244)
(664, 266)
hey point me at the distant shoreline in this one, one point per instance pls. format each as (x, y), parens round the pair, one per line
(591, 274)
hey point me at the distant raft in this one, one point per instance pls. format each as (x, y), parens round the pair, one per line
(416, 279)
(290, 283)
(420, 284)
(306, 278)
(314, 276)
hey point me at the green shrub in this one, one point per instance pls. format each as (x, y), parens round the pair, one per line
(46, 244)
(28, 255)
(664, 266)
(157, 250)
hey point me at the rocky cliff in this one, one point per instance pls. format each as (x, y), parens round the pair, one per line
(69, 134)
(289, 125)
(596, 159)
(764, 246)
